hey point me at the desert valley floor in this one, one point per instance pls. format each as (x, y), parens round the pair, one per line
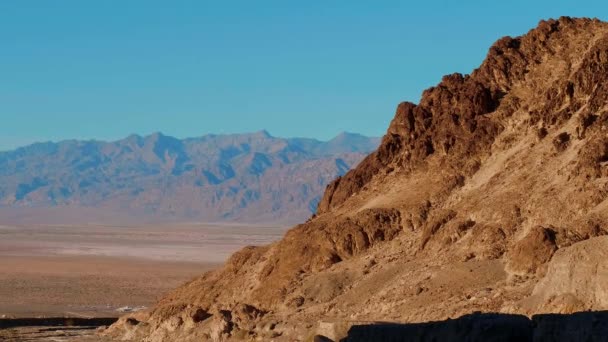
(94, 271)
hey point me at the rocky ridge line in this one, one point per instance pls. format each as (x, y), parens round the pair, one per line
(461, 209)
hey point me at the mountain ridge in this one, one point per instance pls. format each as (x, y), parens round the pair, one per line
(212, 177)
(484, 197)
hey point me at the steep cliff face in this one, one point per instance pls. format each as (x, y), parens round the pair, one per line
(461, 209)
(453, 118)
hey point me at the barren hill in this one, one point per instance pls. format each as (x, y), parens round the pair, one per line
(489, 195)
(242, 177)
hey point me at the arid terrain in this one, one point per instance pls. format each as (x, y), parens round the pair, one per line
(488, 196)
(482, 215)
(101, 271)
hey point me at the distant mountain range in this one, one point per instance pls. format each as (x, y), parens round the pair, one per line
(241, 177)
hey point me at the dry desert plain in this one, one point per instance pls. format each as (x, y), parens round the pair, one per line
(95, 270)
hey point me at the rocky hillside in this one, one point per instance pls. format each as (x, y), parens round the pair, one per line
(488, 195)
(246, 177)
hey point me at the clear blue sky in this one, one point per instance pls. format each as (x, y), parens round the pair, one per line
(106, 69)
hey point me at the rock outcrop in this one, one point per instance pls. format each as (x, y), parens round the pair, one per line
(478, 198)
(577, 278)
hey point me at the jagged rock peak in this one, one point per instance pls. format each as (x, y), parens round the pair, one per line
(459, 115)
(477, 200)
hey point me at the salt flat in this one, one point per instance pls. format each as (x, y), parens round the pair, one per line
(93, 270)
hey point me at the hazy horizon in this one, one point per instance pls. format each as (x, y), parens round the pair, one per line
(103, 71)
(186, 137)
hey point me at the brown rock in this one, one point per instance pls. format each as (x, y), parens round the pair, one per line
(534, 250)
(577, 278)
(462, 188)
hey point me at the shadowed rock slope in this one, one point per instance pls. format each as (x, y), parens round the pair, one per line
(486, 196)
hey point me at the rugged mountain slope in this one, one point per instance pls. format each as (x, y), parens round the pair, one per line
(246, 177)
(461, 209)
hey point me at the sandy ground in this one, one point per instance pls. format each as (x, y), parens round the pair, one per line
(92, 271)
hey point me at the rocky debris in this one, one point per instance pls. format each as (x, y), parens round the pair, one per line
(245, 316)
(478, 199)
(172, 324)
(295, 302)
(561, 141)
(532, 251)
(222, 325)
(129, 327)
(593, 159)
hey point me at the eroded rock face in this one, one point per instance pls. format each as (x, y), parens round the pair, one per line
(447, 121)
(577, 278)
(534, 250)
(474, 194)
(451, 117)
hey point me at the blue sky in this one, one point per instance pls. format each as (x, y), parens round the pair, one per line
(106, 69)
